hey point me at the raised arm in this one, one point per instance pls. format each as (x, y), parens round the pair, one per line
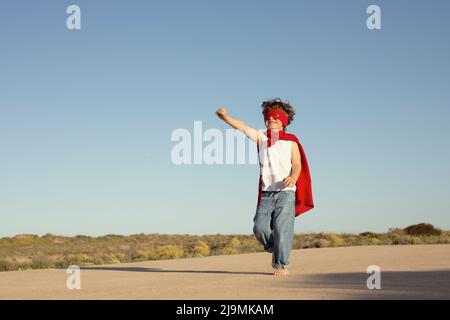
(250, 132)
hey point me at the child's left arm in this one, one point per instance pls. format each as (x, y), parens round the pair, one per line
(291, 180)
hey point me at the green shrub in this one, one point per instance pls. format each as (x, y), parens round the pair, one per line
(121, 257)
(352, 240)
(336, 240)
(41, 262)
(405, 239)
(79, 259)
(442, 239)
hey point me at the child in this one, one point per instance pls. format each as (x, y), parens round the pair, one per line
(284, 184)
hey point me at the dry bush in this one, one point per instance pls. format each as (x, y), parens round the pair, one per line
(48, 251)
(422, 229)
(232, 247)
(396, 231)
(200, 249)
(6, 265)
(369, 234)
(171, 252)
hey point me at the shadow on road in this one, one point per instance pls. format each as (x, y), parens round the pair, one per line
(136, 269)
(394, 284)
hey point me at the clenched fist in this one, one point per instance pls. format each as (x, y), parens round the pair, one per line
(221, 113)
(289, 181)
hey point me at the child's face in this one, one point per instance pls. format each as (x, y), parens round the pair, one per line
(273, 124)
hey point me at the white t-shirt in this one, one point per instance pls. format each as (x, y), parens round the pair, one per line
(275, 164)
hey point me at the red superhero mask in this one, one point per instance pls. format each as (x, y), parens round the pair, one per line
(277, 114)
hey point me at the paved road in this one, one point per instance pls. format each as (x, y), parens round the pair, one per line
(407, 272)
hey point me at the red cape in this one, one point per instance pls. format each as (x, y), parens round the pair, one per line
(303, 194)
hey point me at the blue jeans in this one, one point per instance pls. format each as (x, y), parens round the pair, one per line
(274, 225)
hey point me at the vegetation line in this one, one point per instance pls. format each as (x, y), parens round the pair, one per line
(51, 251)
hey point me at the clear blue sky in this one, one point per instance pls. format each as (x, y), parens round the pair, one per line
(86, 116)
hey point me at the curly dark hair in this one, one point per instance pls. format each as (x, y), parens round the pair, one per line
(277, 103)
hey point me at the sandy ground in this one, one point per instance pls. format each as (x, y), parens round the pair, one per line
(407, 272)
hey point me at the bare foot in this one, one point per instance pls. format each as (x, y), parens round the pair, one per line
(281, 272)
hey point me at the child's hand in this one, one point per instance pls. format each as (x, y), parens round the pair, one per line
(289, 181)
(221, 113)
